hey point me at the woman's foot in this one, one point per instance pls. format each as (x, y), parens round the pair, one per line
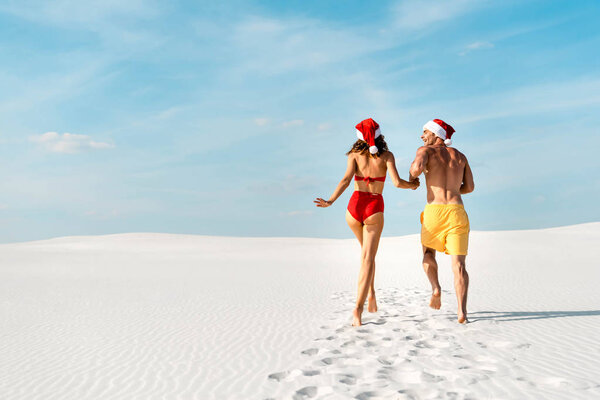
(372, 307)
(356, 317)
(436, 299)
(462, 318)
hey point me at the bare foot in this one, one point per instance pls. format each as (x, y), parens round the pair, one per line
(372, 307)
(356, 317)
(436, 299)
(462, 318)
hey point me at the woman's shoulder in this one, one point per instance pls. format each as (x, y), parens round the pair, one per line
(387, 155)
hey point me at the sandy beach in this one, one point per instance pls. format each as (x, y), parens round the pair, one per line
(161, 316)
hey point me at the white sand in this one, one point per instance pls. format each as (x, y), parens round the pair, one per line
(152, 316)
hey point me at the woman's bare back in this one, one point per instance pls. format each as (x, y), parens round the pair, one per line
(372, 167)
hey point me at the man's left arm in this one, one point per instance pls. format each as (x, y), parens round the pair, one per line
(467, 185)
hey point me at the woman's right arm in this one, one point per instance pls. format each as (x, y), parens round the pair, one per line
(344, 183)
(396, 180)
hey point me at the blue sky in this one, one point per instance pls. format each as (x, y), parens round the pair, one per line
(228, 119)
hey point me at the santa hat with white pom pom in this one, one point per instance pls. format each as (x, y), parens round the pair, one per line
(440, 129)
(368, 130)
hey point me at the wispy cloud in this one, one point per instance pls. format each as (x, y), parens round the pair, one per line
(76, 13)
(261, 121)
(299, 213)
(476, 46)
(531, 100)
(538, 199)
(293, 123)
(56, 87)
(114, 21)
(275, 46)
(101, 214)
(68, 142)
(417, 14)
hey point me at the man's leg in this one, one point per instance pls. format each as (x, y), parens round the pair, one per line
(461, 285)
(431, 269)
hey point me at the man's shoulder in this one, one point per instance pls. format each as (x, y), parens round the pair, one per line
(460, 154)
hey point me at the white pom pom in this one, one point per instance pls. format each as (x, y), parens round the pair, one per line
(448, 142)
(373, 149)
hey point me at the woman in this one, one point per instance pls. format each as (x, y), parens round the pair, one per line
(368, 161)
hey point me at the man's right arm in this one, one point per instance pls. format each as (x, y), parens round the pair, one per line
(418, 165)
(467, 185)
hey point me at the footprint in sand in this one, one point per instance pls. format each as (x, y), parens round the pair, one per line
(325, 361)
(286, 375)
(385, 360)
(347, 379)
(310, 372)
(307, 392)
(310, 352)
(279, 376)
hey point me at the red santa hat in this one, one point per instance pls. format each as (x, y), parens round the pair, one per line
(368, 130)
(440, 129)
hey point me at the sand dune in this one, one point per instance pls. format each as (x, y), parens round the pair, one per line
(155, 316)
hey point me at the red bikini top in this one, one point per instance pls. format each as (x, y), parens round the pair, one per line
(368, 179)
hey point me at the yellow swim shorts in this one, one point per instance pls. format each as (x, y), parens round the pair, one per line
(445, 227)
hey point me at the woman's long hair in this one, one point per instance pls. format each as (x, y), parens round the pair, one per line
(362, 147)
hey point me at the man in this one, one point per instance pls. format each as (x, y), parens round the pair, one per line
(444, 223)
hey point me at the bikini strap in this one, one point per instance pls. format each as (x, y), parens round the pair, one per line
(368, 179)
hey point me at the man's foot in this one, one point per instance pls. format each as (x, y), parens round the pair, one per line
(356, 317)
(462, 318)
(436, 299)
(372, 307)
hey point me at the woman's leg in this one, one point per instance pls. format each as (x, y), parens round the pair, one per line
(357, 229)
(372, 228)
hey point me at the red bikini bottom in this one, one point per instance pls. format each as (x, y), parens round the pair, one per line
(364, 204)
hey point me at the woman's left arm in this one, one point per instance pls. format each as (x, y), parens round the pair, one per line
(396, 180)
(344, 183)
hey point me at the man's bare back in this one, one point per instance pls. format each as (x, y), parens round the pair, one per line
(447, 173)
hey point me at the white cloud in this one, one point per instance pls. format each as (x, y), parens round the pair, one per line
(293, 123)
(261, 121)
(325, 126)
(476, 46)
(68, 142)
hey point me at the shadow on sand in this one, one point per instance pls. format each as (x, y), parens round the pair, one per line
(522, 315)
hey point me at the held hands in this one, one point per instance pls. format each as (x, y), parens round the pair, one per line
(415, 183)
(319, 202)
